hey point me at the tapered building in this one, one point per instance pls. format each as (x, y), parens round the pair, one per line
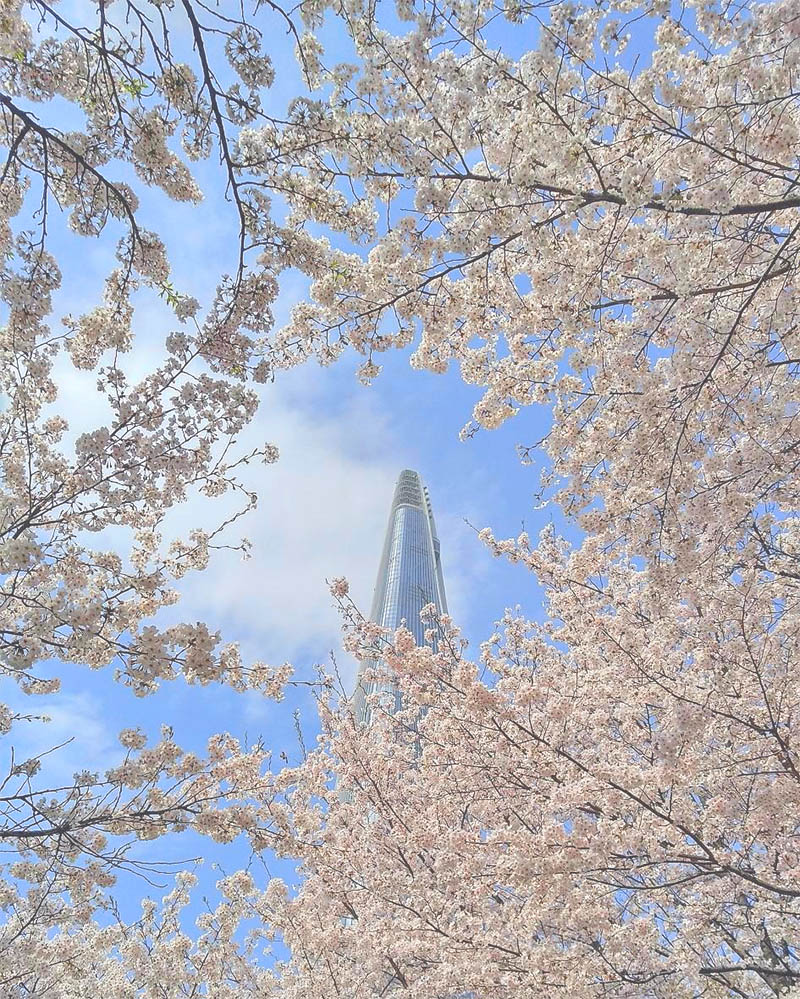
(409, 576)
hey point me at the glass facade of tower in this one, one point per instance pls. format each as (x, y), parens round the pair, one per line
(410, 573)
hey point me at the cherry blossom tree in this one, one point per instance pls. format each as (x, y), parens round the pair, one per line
(592, 208)
(172, 431)
(97, 110)
(606, 802)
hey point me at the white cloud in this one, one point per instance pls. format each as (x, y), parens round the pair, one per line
(77, 724)
(322, 513)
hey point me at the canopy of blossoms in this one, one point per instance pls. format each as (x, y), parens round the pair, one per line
(605, 223)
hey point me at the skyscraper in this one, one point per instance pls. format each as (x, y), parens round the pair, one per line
(409, 576)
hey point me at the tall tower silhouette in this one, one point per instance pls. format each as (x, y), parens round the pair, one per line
(409, 576)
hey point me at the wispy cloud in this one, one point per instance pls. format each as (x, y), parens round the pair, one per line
(322, 513)
(77, 724)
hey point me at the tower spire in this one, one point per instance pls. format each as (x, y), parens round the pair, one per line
(409, 575)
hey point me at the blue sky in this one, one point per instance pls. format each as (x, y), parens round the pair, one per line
(323, 507)
(322, 511)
